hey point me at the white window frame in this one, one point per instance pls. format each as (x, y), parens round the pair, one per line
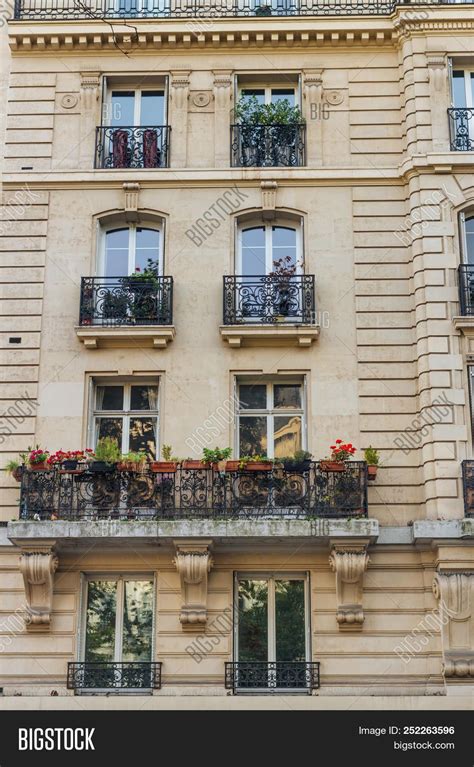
(119, 615)
(262, 85)
(270, 412)
(137, 103)
(126, 414)
(462, 224)
(132, 244)
(271, 577)
(468, 89)
(284, 223)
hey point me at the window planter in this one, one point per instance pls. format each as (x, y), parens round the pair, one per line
(332, 466)
(101, 466)
(191, 464)
(39, 466)
(163, 467)
(232, 466)
(258, 466)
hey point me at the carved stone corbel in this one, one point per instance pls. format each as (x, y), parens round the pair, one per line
(455, 594)
(131, 192)
(349, 562)
(38, 563)
(269, 195)
(193, 562)
(437, 70)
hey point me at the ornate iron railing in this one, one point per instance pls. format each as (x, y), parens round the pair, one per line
(267, 146)
(461, 129)
(114, 301)
(466, 289)
(269, 300)
(195, 493)
(114, 676)
(468, 487)
(242, 676)
(132, 147)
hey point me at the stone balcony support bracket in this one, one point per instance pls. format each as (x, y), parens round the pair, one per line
(349, 562)
(455, 594)
(193, 562)
(38, 563)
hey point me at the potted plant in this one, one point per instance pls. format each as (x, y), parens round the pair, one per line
(284, 285)
(106, 455)
(255, 463)
(69, 461)
(340, 453)
(168, 465)
(133, 461)
(216, 458)
(263, 10)
(300, 461)
(143, 286)
(37, 459)
(372, 457)
(15, 469)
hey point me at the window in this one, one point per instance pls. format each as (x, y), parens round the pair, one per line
(128, 249)
(462, 114)
(269, 94)
(270, 418)
(128, 413)
(127, 108)
(467, 237)
(261, 247)
(119, 620)
(463, 88)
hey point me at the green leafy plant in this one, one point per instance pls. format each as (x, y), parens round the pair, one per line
(167, 452)
(216, 455)
(107, 450)
(245, 459)
(12, 466)
(35, 456)
(372, 456)
(294, 461)
(249, 111)
(135, 457)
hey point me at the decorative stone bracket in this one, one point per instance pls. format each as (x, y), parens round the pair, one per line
(455, 594)
(349, 562)
(193, 561)
(131, 192)
(269, 199)
(38, 563)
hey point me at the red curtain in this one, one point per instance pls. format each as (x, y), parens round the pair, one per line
(119, 148)
(151, 153)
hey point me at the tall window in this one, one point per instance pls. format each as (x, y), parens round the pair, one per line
(145, 108)
(119, 620)
(270, 418)
(128, 413)
(261, 247)
(463, 88)
(467, 237)
(128, 249)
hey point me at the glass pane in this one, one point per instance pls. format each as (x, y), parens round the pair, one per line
(287, 435)
(137, 621)
(144, 398)
(287, 396)
(253, 251)
(253, 396)
(109, 398)
(469, 225)
(284, 245)
(152, 108)
(472, 88)
(253, 435)
(100, 620)
(116, 253)
(290, 621)
(123, 105)
(259, 94)
(109, 427)
(253, 620)
(281, 94)
(143, 435)
(147, 247)
(459, 89)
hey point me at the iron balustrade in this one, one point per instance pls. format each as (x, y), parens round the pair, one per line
(269, 299)
(115, 301)
(461, 129)
(102, 675)
(468, 487)
(466, 289)
(242, 676)
(194, 493)
(268, 146)
(132, 146)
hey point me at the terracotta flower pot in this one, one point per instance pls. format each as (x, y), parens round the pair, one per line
(371, 472)
(332, 466)
(39, 466)
(163, 467)
(192, 464)
(16, 474)
(232, 466)
(258, 466)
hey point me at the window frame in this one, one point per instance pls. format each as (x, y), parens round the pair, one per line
(137, 103)
(125, 414)
(268, 87)
(463, 216)
(282, 223)
(270, 412)
(132, 244)
(468, 77)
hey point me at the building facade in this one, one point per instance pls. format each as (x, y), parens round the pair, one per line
(178, 271)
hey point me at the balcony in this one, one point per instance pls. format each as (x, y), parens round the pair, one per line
(468, 487)
(114, 677)
(269, 310)
(204, 494)
(185, 9)
(278, 676)
(118, 311)
(268, 146)
(461, 129)
(465, 321)
(132, 147)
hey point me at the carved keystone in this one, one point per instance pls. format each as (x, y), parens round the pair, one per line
(38, 563)
(349, 563)
(455, 594)
(193, 562)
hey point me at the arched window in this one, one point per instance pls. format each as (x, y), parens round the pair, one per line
(261, 247)
(129, 249)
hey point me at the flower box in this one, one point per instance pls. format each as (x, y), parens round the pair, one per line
(101, 466)
(43, 466)
(164, 467)
(131, 466)
(332, 466)
(192, 464)
(232, 466)
(258, 466)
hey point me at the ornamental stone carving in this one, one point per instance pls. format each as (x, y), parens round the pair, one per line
(455, 594)
(131, 192)
(193, 562)
(269, 197)
(349, 563)
(38, 563)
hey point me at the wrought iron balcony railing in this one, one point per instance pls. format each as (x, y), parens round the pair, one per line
(269, 300)
(290, 676)
(195, 493)
(468, 487)
(466, 289)
(461, 129)
(132, 146)
(115, 301)
(125, 677)
(268, 146)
